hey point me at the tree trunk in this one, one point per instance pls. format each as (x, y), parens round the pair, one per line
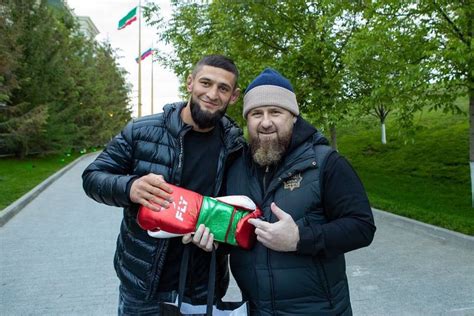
(384, 138)
(471, 140)
(469, 14)
(332, 131)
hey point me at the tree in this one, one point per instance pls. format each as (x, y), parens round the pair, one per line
(452, 23)
(449, 47)
(20, 110)
(9, 55)
(305, 40)
(104, 109)
(68, 90)
(389, 68)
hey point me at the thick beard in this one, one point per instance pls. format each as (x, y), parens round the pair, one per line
(269, 152)
(205, 119)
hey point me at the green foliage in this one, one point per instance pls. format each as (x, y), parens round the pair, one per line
(9, 53)
(64, 90)
(343, 58)
(425, 176)
(386, 72)
(305, 40)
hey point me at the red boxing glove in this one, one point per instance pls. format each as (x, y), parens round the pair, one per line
(226, 217)
(179, 218)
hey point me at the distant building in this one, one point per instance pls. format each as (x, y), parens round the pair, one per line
(86, 26)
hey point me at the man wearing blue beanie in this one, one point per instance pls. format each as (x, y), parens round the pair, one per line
(315, 208)
(314, 204)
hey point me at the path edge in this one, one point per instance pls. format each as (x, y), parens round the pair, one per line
(443, 235)
(11, 210)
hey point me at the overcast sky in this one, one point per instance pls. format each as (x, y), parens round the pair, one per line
(106, 14)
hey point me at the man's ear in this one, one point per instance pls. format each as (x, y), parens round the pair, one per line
(235, 96)
(189, 83)
(294, 119)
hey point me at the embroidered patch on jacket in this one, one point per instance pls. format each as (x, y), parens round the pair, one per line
(293, 183)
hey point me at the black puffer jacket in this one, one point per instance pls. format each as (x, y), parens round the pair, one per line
(152, 144)
(311, 280)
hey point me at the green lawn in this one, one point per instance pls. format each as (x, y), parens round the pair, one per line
(17, 177)
(425, 176)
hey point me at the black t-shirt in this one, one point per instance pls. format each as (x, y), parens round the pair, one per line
(200, 155)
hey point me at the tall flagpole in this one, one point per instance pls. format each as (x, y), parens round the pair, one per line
(139, 59)
(152, 81)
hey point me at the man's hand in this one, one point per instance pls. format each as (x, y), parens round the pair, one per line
(202, 238)
(151, 188)
(279, 236)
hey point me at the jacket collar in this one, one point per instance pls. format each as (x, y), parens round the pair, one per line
(231, 134)
(302, 132)
(173, 121)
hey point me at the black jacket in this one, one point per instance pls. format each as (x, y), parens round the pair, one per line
(311, 280)
(152, 144)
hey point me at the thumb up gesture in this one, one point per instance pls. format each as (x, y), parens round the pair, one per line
(282, 235)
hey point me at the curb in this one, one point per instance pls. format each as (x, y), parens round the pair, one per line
(14, 208)
(443, 235)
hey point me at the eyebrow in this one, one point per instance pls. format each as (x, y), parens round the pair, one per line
(218, 83)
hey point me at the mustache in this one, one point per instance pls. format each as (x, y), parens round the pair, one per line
(267, 130)
(208, 101)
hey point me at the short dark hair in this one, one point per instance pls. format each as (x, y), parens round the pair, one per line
(218, 61)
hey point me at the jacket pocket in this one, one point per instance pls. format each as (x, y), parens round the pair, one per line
(322, 275)
(156, 267)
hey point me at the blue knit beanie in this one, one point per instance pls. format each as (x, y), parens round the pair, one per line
(270, 88)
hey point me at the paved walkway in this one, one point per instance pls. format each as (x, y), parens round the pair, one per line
(56, 259)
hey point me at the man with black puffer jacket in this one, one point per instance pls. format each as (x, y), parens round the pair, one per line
(315, 209)
(189, 145)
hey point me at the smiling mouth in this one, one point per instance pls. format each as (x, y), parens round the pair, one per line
(266, 133)
(211, 104)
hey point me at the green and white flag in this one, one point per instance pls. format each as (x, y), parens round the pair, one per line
(128, 19)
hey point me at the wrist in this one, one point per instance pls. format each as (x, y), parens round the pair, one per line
(129, 188)
(297, 239)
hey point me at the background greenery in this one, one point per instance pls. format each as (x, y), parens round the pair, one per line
(355, 65)
(17, 177)
(424, 176)
(59, 90)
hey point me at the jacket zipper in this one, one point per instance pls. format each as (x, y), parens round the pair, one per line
(270, 270)
(180, 162)
(220, 172)
(180, 157)
(159, 253)
(267, 170)
(164, 245)
(325, 282)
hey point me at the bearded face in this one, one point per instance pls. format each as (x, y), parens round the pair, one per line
(212, 89)
(203, 118)
(270, 130)
(269, 152)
